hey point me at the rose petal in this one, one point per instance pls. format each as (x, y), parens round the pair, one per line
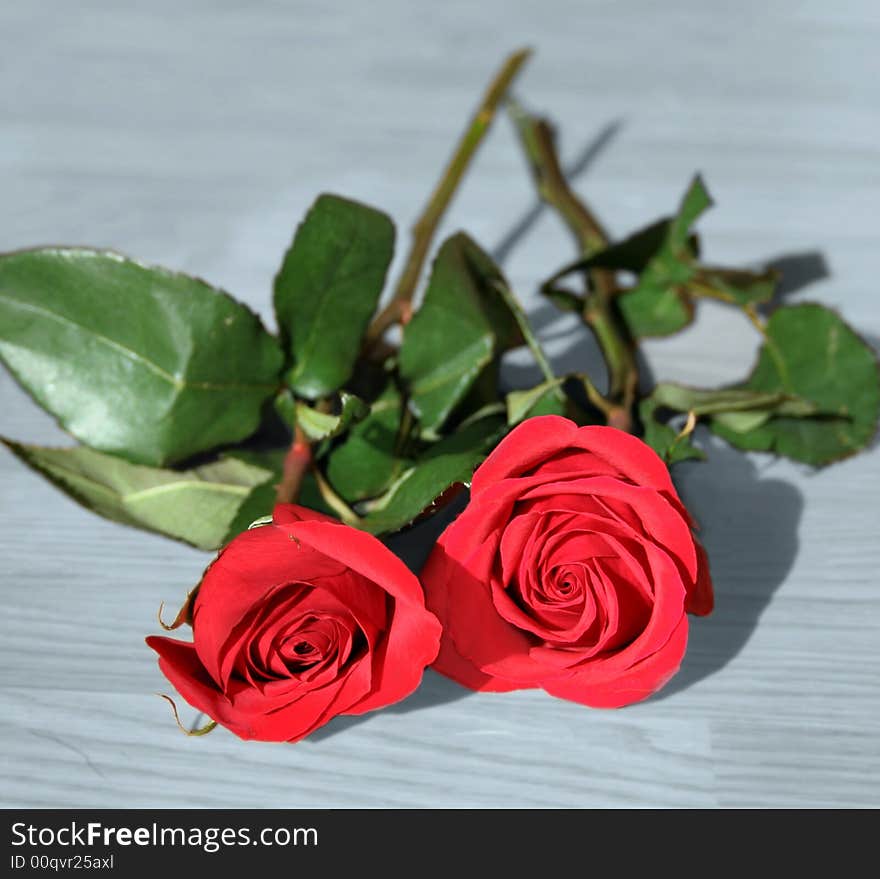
(538, 441)
(410, 645)
(660, 520)
(701, 597)
(353, 689)
(544, 623)
(449, 662)
(364, 554)
(525, 447)
(633, 458)
(630, 685)
(477, 630)
(668, 606)
(412, 639)
(575, 545)
(290, 723)
(252, 565)
(180, 663)
(354, 606)
(655, 515)
(519, 534)
(276, 610)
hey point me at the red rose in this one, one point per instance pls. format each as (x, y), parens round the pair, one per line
(571, 569)
(298, 621)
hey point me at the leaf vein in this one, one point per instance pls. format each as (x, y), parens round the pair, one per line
(175, 381)
(333, 281)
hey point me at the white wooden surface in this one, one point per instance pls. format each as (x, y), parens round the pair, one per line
(196, 134)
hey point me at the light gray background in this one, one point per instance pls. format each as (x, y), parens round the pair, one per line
(196, 134)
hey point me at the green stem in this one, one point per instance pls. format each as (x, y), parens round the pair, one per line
(698, 287)
(619, 355)
(595, 397)
(296, 463)
(333, 500)
(538, 142)
(399, 309)
(536, 136)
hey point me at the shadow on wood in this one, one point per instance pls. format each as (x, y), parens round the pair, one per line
(587, 155)
(749, 524)
(798, 270)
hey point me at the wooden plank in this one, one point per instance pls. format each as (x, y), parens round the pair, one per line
(197, 136)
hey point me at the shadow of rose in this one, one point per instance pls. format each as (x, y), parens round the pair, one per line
(584, 159)
(748, 524)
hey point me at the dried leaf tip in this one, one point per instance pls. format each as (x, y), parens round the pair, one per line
(200, 731)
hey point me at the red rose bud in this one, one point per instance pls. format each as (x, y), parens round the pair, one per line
(297, 621)
(571, 569)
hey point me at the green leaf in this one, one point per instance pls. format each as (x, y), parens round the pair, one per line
(327, 290)
(502, 311)
(265, 459)
(511, 328)
(737, 409)
(451, 337)
(743, 421)
(696, 201)
(317, 425)
(364, 463)
(261, 499)
(810, 352)
(447, 462)
(658, 305)
(525, 332)
(727, 400)
(285, 407)
(322, 425)
(656, 308)
(633, 253)
(547, 398)
(196, 506)
(257, 504)
(666, 442)
(663, 256)
(140, 362)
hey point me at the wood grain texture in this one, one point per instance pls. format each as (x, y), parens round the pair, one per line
(196, 135)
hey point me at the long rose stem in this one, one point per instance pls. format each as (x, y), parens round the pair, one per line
(296, 462)
(536, 136)
(399, 309)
